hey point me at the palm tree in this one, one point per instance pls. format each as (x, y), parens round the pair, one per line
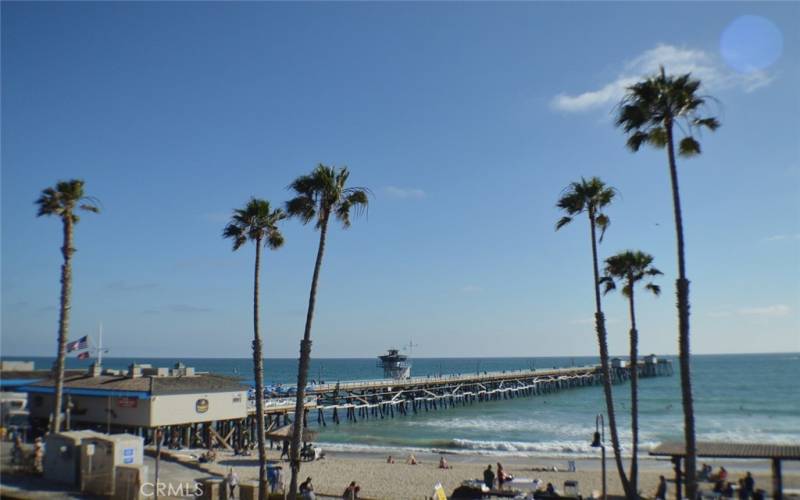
(63, 201)
(258, 223)
(591, 197)
(631, 267)
(649, 113)
(320, 194)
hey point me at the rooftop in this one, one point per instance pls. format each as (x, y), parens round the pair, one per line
(141, 386)
(731, 450)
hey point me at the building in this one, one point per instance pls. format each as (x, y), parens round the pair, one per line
(140, 398)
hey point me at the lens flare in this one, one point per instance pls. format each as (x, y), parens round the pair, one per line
(751, 43)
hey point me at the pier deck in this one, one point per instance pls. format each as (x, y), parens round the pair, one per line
(382, 398)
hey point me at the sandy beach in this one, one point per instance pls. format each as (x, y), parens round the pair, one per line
(381, 480)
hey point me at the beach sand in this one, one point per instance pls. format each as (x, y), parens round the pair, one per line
(400, 481)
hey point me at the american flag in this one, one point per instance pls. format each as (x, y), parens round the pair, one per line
(83, 355)
(76, 345)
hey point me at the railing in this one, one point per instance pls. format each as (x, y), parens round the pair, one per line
(508, 374)
(272, 403)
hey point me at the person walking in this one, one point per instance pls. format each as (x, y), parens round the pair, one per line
(661, 492)
(233, 481)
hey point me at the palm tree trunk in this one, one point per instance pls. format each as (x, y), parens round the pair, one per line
(602, 340)
(634, 357)
(63, 320)
(305, 360)
(682, 286)
(258, 374)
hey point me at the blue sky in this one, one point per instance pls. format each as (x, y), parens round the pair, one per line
(465, 120)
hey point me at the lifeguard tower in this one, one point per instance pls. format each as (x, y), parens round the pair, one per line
(395, 365)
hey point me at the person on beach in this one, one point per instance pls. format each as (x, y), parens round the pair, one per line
(443, 463)
(38, 456)
(488, 477)
(390, 460)
(501, 476)
(233, 481)
(307, 489)
(722, 475)
(661, 492)
(273, 478)
(551, 490)
(351, 492)
(749, 484)
(18, 453)
(411, 460)
(285, 449)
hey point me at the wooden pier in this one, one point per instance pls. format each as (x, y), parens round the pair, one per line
(198, 409)
(385, 398)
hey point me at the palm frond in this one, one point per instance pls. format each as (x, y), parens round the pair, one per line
(64, 199)
(636, 139)
(255, 222)
(602, 221)
(660, 101)
(655, 289)
(608, 284)
(709, 123)
(274, 240)
(563, 222)
(302, 207)
(689, 147)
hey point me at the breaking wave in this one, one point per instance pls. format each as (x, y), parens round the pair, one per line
(563, 449)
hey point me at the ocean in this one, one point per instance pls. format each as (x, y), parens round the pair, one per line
(752, 398)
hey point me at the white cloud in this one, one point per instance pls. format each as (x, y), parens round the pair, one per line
(781, 237)
(719, 314)
(677, 60)
(773, 310)
(404, 193)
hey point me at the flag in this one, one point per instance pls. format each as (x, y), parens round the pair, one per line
(83, 355)
(81, 343)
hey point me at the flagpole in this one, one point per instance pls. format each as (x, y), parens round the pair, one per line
(100, 348)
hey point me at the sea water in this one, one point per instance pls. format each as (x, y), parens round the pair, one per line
(754, 398)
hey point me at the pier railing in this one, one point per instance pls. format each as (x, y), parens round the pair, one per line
(470, 377)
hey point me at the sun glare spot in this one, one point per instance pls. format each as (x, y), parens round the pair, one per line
(751, 43)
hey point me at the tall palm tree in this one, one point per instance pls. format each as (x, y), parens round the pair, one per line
(591, 197)
(63, 201)
(319, 195)
(630, 267)
(649, 114)
(258, 223)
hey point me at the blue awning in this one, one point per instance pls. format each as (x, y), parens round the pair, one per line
(9, 384)
(79, 391)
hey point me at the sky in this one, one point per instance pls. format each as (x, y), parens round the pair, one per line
(465, 120)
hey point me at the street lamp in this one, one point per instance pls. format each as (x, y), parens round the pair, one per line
(599, 441)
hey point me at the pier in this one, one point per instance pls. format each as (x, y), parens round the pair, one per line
(201, 409)
(386, 398)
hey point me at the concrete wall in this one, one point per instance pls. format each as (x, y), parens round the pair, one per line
(184, 408)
